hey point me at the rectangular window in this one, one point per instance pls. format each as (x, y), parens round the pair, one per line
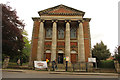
(61, 32)
(73, 32)
(48, 32)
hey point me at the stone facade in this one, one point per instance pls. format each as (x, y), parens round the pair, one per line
(61, 32)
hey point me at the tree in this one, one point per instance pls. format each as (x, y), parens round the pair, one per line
(27, 47)
(12, 27)
(100, 51)
(117, 54)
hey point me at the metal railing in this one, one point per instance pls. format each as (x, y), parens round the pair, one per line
(79, 66)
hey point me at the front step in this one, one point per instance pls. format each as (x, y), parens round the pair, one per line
(61, 70)
(60, 66)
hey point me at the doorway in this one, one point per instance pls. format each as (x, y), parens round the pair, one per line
(60, 58)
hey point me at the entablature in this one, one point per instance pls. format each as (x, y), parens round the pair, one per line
(61, 18)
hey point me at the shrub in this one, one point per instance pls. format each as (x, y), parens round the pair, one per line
(106, 64)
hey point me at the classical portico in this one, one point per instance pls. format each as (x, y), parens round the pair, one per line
(61, 32)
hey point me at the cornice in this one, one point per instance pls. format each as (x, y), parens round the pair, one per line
(87, 19)
(36, 18)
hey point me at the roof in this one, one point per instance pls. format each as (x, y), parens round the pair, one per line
(61, 10)
(110, 58)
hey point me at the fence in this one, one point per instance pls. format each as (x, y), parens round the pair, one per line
(79, 66)
(82, 66)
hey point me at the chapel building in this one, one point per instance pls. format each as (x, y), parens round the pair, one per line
(59, 32)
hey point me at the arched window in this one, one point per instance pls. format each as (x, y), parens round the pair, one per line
(73, 32)
(60, 32)
(48, 51)
(49, 32)
(73, 52)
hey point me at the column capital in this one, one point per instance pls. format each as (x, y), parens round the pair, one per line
(54, 20)
(80, 21)
(67, 21)
(42, 20)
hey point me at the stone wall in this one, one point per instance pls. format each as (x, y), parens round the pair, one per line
(117, 66)
(6, 61)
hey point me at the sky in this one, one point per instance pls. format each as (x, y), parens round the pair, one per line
(103, 14)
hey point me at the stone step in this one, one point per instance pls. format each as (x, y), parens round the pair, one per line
(61, 66)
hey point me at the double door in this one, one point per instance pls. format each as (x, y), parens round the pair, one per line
(60, 58)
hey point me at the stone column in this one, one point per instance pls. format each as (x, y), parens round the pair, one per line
(81, 50)
(67, 41)
(40, 50)
(54, 41)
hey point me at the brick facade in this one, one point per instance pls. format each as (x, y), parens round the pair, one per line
(86, 40)
(73, 21)
(35, 40)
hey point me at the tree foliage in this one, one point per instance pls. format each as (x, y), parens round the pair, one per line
(117, 54)
(27, 47)
(12, 27)
(100, 51)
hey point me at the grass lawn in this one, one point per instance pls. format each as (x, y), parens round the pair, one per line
(15, 64)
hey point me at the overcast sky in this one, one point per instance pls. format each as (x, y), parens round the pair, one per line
(103, 14)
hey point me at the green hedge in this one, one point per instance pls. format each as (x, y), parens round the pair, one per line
(106, 64)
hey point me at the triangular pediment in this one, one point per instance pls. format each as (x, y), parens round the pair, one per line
(61, 10)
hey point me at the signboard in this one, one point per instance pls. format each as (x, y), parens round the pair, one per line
(40, 64)
(92, 60)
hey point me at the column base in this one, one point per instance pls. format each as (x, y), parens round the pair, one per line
(31, 64)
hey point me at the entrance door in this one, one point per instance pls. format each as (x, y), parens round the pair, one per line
(73, 58)
(60, 58)
(48, 56)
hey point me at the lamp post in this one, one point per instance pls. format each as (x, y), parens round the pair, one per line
(66, 65)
